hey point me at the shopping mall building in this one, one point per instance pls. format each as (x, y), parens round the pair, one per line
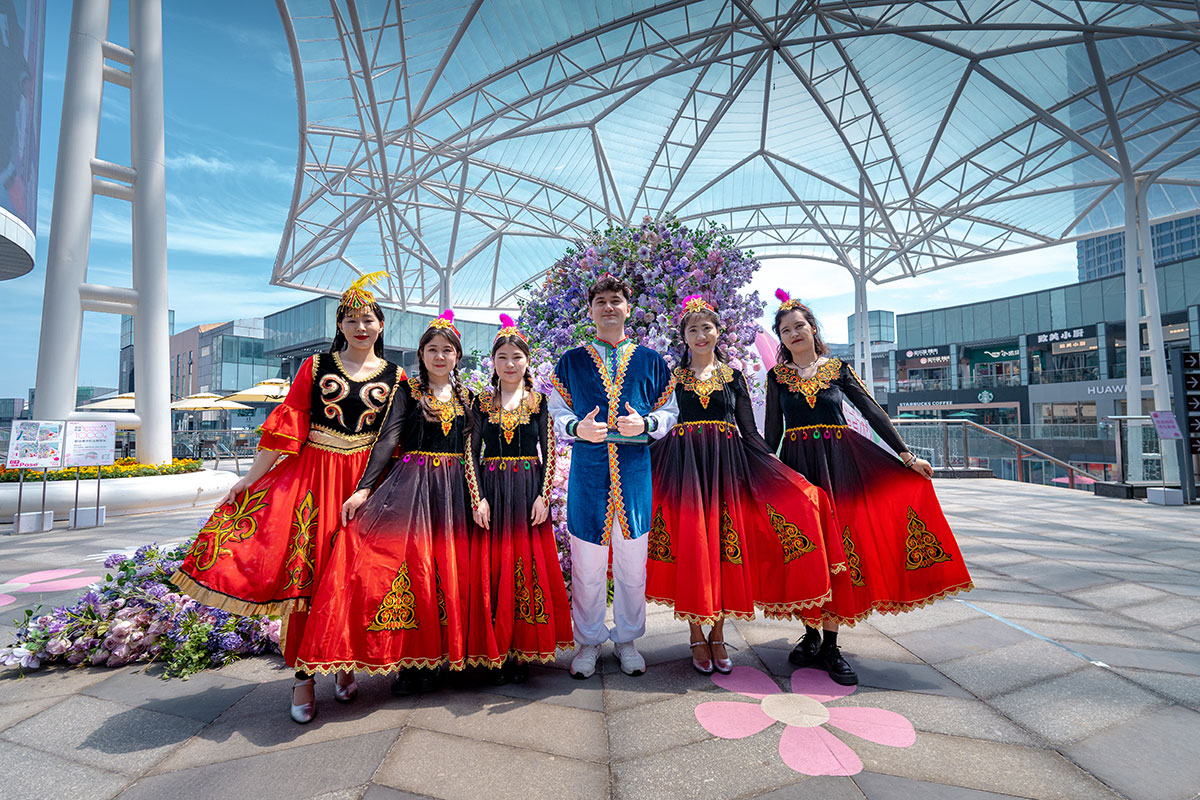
(1052, 356)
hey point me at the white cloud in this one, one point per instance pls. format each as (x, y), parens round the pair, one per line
(198, 162)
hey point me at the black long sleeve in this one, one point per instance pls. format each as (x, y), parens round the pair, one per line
(389, 438)
(743, 412)
(856, 392)
(774, 417)
(546, 442)
(475, 449)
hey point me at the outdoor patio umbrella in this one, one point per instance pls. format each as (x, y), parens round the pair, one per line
(1081, 479)
(206, 402)
(963, 414)
(272, 390)
(120, 402)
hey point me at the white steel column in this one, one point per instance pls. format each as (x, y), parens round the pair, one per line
(151, 330)
(862, 333)
(71, 213)
(1134, 469)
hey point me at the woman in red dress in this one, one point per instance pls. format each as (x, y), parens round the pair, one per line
(397, 589)
(732, 527)
(264, 550)
(519, 607)
(899, 547)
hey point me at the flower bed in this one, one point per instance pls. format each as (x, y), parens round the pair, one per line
(136, 614)
(124, 468)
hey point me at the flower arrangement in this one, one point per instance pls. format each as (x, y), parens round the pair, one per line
(123, 468)
(136, 614)
(663, 262)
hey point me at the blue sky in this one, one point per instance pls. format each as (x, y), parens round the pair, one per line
(231, 139)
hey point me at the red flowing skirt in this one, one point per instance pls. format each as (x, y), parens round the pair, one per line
(396, 591)
(733, 529)
(899, 547)
(519, 605)
(266, 552)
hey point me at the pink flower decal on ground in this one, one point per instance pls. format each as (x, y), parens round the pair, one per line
(47, 580)
(805, 745)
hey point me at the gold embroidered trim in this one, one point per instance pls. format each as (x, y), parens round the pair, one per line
(823, 378)
(325, 439)
(235, 525)
(510, 419)
(659, 544)
(337, 359)
(703, 389)
(893, 607)
(530, 601)
(921, 547)
(700, 619)
(397, 610)
(856, 576)
(446, 410)
(731, 548)
(612, 388)
(242, 608)
(300, 554)
(795, 608)
(791, 538)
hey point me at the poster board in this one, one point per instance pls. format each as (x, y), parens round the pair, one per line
(90, 444)
(35, 444)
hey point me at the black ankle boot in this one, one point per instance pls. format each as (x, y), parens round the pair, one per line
(804, 654)
(829, 658)
(405, 683)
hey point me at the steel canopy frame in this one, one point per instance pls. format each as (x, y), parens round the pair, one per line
(461, 151)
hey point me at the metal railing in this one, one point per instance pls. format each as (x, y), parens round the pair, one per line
(1069, 375)
(922, 384)
(990, 381)
(973, 446)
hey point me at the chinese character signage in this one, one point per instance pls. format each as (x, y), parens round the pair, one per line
(90, 444)
(35, 445)
(1063, 335)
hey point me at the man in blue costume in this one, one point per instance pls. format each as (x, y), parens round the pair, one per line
(611, 396)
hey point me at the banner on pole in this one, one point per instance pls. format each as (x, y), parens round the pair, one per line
(90, 444)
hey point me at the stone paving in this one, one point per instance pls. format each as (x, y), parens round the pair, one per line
(1071, 672)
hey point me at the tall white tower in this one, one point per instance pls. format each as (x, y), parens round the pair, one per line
(92, 60)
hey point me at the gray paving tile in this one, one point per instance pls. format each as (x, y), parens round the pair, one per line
(103, 734)
(1005, 669)
(981, 596)
(318, 768)
(352, 793)
(822, 787)
(1171, 614)
(202, 697)
(1123, 636)
(48, 682)
(554, 686)
(1145, 658)
(36, 775)
(454, 768)
(949, 642)
(1056, 576)
(654, 727)
(1183, 689)
(555, 729)
(376, 792)
(890, 787)
(1004, 769)
(953, 716)
(12, 713)
(906, 678)
(663, 682)
(1153, 757)
(1068, 708)
(259, 723)
(711, 768)
(944, 612)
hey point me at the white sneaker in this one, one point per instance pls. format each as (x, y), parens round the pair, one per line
(632, 662)
(583, 665)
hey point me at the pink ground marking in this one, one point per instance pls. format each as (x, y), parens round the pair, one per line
(45, 575)
(874, 724)
(732, 720)
(818, 685)
(816, 751)
(60, 586)
(748, 681)
(7, 600)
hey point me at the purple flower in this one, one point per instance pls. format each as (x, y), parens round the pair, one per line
(113, 561)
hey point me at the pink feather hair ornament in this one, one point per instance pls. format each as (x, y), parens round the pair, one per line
(786, 301)
(446, 322)
(508, 327)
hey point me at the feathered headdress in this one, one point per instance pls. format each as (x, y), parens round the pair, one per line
(358, 295)
(786, 301)
(445, 322)
(694, 302)
(508, 327)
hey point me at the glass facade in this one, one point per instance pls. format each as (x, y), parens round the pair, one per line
(881, 326)
(233, 357)
(1173, 240)
(125, 377)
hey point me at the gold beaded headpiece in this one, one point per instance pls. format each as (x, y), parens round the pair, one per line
(445, 322)
(358, 295)
(508, 327)
(787, 303)
(694, 302)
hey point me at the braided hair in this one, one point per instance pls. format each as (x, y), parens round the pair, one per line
(527, 379)
(456, 385)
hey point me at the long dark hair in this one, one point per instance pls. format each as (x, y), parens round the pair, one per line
(784, 355)
(688, 318)
(523, 346)
(456, 384)
(339, 338)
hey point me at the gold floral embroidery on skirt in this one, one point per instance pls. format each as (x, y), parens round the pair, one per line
(856, 578)
(731, 549)
(659, 546)
(529, 610)
(300, 557)
(921, 547)
(397, 612)
(235, 525)
(793, 540)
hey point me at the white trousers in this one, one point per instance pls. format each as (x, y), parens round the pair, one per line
(589, 588)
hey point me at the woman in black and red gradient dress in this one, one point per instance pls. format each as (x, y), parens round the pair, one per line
(396, 590)
(901, 552)
(265, 549)
(732, 527)
(519, 607)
